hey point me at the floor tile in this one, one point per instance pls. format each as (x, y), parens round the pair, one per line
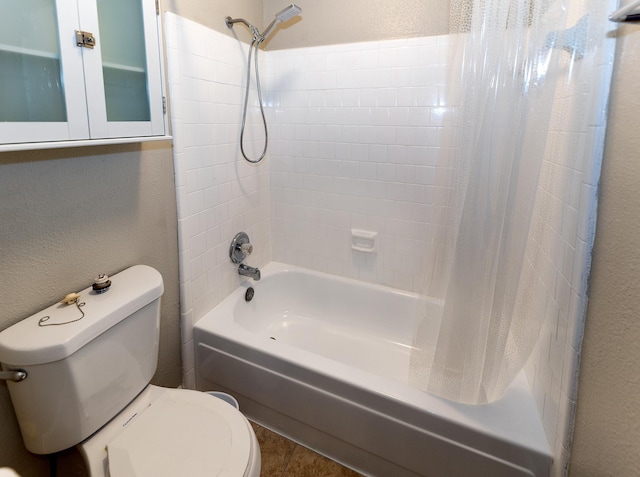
(284, 458)
(306, 463)
(275, 451)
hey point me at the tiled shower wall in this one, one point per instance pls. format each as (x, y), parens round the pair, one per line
(355, 133)
(218, 193)
(563, 228)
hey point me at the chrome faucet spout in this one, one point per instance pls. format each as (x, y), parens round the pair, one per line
(247, 271)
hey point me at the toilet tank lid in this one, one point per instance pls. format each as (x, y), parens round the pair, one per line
(28, 343)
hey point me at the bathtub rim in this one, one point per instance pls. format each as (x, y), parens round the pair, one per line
(513, 419)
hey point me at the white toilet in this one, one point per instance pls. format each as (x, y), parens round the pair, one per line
(88, 366)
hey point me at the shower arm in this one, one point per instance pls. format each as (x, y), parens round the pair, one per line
(257, 36)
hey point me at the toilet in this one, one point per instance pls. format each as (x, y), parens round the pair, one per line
(88, 368)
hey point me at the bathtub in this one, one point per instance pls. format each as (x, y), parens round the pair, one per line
(324, 361)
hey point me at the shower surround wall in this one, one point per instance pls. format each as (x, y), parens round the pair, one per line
(372, 166)
(355, 133)
(563, 229)
(218, 193)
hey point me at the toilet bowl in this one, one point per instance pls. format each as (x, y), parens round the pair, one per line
(88, 364)
(174, 432)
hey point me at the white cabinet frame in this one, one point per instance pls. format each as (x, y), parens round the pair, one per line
(82, 76)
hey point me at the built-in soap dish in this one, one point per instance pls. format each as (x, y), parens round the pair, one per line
(363, 240)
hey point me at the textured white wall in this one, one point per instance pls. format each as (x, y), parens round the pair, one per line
(212, 13)
(332, 22)
(323, 23)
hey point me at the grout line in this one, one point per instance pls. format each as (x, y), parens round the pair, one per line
(286, 464)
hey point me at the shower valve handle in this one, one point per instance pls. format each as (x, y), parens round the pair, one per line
(240, 247)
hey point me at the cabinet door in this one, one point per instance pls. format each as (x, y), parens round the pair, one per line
(36, 104)
(124, 95)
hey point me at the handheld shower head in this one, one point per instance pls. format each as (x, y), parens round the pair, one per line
(289, 12)
(282, 16)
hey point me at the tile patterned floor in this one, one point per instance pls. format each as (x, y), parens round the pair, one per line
(284, 458)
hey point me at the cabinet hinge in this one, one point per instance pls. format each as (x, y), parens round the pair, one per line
(164, 105)
(157, 7)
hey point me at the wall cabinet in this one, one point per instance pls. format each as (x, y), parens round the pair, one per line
(79, 72)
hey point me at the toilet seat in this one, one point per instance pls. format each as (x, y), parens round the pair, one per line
(183, 433)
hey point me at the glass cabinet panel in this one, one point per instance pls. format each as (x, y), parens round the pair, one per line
(56, 86)
(124, 62)
(31, 86)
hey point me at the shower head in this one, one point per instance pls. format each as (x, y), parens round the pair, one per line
(289, 12)
(282, 16)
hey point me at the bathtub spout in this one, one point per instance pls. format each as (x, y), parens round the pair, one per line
(247, 271)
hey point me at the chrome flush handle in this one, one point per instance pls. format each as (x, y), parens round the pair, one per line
(15, 375)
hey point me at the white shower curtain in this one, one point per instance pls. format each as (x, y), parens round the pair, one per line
(509, 56)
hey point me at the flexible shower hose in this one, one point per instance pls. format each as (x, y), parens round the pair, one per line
(254, 47)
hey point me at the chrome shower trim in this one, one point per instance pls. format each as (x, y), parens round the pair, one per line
(230, 21)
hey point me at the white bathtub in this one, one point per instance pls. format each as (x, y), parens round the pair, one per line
(324, 361)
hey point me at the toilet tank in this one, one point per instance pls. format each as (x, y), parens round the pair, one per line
(80, 374)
